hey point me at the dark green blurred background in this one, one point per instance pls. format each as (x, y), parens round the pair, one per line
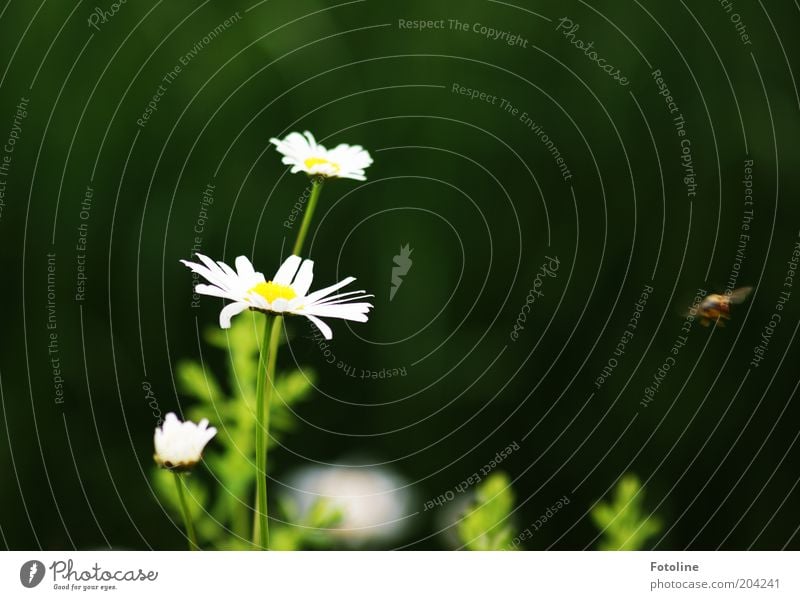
(478, 197)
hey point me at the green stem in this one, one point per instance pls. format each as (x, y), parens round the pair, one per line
(316, 188)
(265, 384)
(187, 517)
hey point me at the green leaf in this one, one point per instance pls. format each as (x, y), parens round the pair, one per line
(623, 521)
(311, 530)
(486, 525)
(197, 382)
(229, 404)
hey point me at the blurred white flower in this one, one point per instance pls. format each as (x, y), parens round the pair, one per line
(285, 293)
(303, 153)
(179, 446)
(374, 502)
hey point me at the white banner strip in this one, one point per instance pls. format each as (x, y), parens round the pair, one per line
(399, 575)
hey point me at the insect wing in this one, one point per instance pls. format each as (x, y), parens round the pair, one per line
(740, 295)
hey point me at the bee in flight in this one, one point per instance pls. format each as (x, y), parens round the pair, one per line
(716, 308)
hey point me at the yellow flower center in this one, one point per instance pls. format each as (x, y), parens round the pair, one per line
(313, 162)
(272, 291)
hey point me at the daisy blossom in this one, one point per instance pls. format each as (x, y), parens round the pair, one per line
(285, 293)
(303, 153)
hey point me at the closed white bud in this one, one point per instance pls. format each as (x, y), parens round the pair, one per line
(179, 446)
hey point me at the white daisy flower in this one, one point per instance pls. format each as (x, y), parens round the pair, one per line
(305, 154)
(285, 293)
(179, 446)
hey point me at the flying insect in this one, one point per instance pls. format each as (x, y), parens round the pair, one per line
(716, 308)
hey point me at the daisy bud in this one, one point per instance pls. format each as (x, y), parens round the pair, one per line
(179, 446)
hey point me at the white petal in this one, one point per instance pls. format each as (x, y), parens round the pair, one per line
(209, 433)
(324, 329)
(297, 142)
(212, 290)
(293, 146)
(286, 273)
(356, 176)
(302, 281)
(319, 294)
(280, 305)
(356, 311)
(215, 268)
(216, 277)
(301, 303)
(345, 297)
(226, 269)
(257, 301)
(207, 261)
(232, 309)
(244, 267)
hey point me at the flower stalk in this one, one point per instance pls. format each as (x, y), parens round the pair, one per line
(316, 189)
(266, 371)
(287, 293)
(187, 517)
(265, 384)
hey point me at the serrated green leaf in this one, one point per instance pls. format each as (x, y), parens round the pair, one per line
(623, 521)
(485, 524)
(229, 404)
